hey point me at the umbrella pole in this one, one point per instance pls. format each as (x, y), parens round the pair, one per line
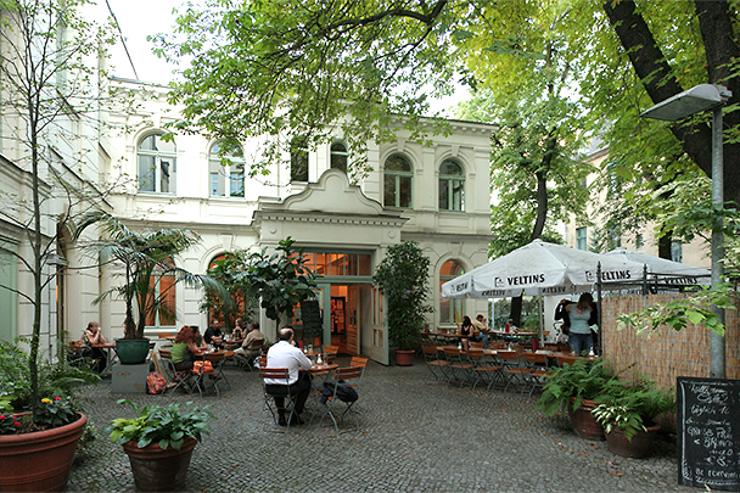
(542, 322)
(598, 314)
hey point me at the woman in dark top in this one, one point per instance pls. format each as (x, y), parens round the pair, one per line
(466, 329)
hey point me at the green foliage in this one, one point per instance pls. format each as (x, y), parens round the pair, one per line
(16, 393)
(228, 272)
(581, 380)
(142, 255)
(631, 407)
(696, 308)
(55, 411)
(281, 279)
(530, 312)
(166, 426)
(403, 277)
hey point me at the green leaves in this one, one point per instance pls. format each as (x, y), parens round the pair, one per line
(403, 276)
(581, 380)
(166, 426)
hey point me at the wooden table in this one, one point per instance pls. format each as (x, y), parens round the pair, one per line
(323, 368)
(520, 333)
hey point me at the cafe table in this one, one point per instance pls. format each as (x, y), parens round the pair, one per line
(110, 356)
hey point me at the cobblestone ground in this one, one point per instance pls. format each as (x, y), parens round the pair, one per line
(413, 435)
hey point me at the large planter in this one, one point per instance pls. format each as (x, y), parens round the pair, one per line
(160, 470)
(640, 446)
(132, 351)
(41, 460)
(583, 422)
(405, 357)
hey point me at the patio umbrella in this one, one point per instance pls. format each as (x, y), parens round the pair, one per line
(541, 268)
(666, 271)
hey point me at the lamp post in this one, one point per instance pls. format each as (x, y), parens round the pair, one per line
(697, 99)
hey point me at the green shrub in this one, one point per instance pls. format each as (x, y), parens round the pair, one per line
(631, 407)
(581, 380)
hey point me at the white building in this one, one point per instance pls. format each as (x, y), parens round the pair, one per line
(436, 194)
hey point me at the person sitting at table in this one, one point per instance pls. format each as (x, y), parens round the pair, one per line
(213, 334)
(253, 344)
(580, 333)
(185, 349)
(239, 330)
(93, 338)
(198, 339)
(481, 329)
(285, 354)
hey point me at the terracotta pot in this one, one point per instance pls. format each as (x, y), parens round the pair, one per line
(132, 351)
(160, 470)
(41, 460)
(640, 446)
(583, 422)
(405, 357)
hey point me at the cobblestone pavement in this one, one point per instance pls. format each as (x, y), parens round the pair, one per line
(413, 435)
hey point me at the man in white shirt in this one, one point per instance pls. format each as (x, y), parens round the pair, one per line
(284, 354)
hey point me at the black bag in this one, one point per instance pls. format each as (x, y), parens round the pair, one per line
(345, 393)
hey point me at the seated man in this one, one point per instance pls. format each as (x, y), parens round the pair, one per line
(284, 354)
(252, 344)
(481, 329)
(213, 334)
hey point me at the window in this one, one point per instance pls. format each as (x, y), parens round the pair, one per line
(163, 288)
(581, 238)
(299, 159)
(397, 181)
(451, 186)
(157, 164)
(339, 156)
(450, 310)
(226, 170)
(338, 263)
(676, 251)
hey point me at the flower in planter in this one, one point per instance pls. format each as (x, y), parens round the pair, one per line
(10, 424)
(55, 411)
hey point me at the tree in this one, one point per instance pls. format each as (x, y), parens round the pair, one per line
(403, 276)
(281, 279)
(241, 301)
(147, 258)
(49, 85)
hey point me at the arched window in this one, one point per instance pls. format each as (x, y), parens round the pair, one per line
(163, 287)
(450, 310)
(299, 159)
(157, 164)
(226, 170)
(451, 186)
(397, 180)
(339, 156)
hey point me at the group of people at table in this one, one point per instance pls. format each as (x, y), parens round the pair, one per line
(578, 322)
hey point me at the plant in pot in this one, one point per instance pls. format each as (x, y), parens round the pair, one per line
(159, 442)
(38, 437)
(281, 279)
(150, 276)
(628, 414)
(575, 389)
(403, 277)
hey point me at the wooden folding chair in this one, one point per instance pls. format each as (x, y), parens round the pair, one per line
(437, 367)
(282, 375)
(460, 367)
(176, 379)
(351, 376)
(330, 353)
(537, 371)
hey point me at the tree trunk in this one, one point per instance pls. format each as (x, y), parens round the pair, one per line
(33, 358)
(660, 83)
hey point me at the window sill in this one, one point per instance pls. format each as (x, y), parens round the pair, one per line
(157, 194)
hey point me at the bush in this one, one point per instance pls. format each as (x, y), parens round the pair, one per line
(582, 380)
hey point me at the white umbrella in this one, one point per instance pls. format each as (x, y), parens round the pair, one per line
(666, 271)
(541, 268)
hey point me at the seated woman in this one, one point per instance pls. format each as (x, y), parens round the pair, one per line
(239, 331)
(93, 338)
(466, 330)
(198, 338)
(580, 333)
(184, 350)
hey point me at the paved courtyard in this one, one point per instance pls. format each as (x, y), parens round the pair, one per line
(413, 435)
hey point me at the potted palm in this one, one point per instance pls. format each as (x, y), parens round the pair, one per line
(628, 414)
(159, 442)
(38, 437)
(143, 256)
(403, 277)
(576, 389)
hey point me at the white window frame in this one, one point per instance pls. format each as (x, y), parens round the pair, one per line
(213, 158)
(397, 175)
(158, 156)
(449, 181)
(344, 154)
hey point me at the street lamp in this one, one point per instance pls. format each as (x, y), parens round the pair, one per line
(697, 99)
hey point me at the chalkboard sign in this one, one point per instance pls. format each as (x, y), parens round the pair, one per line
(709, 433)
(311, 319)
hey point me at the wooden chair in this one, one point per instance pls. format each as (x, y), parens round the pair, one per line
(351, 376)
(276, 392)
(537, 371)
(330, 353)
(176, 379)
(437, 367)
(485, 368)
(460, 367)
(566, 359)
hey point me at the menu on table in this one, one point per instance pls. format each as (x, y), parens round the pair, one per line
(709, 433)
